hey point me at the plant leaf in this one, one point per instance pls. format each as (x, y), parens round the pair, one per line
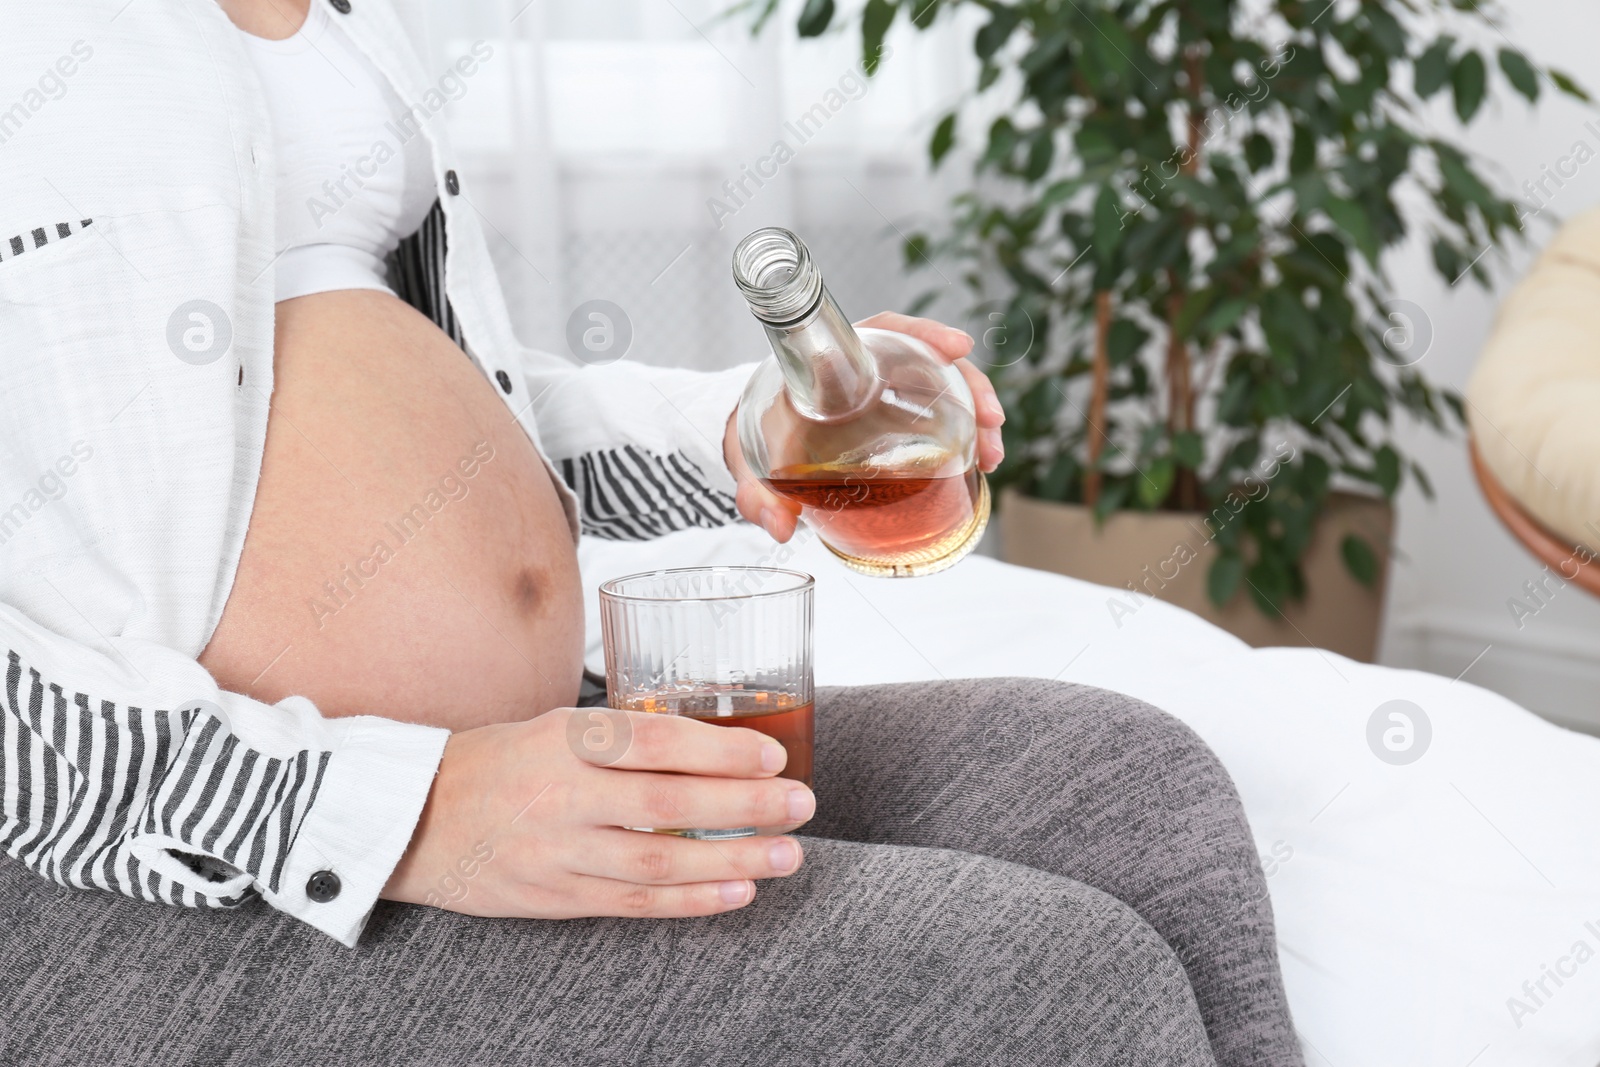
(1386, 469)
(1350, 218)
(1222, 580)
(1470, 80)
(1194, 306)
(996, 32)
(1111, 499)
(1567, 84)
(1448, 260)
(1225, 316)
(1108, 228)
(1002, 141)
(944, 138)
(1059, 191)
(923, 12)
(764, 10)
(1041, 150)
(1188, 448)
(1303, 150)
(814, 18)
(1153, 488)
(1432, 68)
(875, 21)
(1386, 30)
(1359, 559)
(1258, 152)
(1269, 581)
(1524, 79)
(1423, 481)
(1058, 479)
(1126, 339)
(915, 249)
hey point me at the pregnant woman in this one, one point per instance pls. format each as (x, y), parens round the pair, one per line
(290, 609)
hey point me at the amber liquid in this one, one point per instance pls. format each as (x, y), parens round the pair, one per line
(778, 715)
(889, 523)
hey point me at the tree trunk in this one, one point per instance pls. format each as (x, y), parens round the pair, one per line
(1179, 370)
(1180, 393)
(1100, 391)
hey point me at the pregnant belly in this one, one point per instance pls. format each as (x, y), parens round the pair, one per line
(407, 555)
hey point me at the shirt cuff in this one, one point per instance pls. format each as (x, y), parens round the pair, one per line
(360, 824)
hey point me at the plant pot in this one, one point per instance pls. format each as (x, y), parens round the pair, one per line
(1167, 555)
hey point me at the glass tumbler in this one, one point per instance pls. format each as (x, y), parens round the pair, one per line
(730, 646)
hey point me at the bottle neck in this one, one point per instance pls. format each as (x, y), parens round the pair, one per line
(828, 371)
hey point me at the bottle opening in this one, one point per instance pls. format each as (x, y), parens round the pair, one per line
(774, 271)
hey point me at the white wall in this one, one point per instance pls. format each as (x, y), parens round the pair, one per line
(1455, 566)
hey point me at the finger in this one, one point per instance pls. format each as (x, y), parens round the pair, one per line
(991, 446)
(629, 900)
(760, 505)
(991, 450)
(662, 859)
(990, 413)
(653, 741)
(948, 341)
(773, 513)
(682, 802)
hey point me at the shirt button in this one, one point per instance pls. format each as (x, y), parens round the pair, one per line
(451, 182)
(341, 6)
(324, 885)
(504, 379)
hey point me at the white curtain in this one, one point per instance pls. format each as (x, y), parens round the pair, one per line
(618, 149)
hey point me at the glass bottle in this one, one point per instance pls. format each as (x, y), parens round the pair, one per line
(868, 430)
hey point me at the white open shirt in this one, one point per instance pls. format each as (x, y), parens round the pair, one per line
(129, 453)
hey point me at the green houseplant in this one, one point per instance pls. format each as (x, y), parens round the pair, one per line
(1182, 209)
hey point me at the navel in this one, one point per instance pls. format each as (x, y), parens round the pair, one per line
(525, 591)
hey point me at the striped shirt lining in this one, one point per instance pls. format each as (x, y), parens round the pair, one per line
(84, 778)
(628, 494)
(416, 274)
(38, 237)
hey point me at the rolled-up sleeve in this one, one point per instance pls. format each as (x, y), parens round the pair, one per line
(128, 770)
(640, 446)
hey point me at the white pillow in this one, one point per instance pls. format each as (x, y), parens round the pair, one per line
(1419, 906)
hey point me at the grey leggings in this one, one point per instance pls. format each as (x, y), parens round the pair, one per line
(1000, 872)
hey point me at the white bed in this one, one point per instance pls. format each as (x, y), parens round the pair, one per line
(1413, 901)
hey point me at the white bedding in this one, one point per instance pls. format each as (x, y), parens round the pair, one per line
(1413, 901)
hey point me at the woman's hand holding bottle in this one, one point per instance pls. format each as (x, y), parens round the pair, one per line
(779, 515)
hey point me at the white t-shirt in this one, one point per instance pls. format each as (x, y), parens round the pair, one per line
(353, 173)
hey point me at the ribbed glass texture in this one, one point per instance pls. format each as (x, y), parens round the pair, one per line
(726, 645)
(707, 632)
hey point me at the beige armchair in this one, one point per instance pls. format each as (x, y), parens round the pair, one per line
(1533, 407)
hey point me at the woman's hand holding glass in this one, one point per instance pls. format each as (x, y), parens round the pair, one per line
(527, 819)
